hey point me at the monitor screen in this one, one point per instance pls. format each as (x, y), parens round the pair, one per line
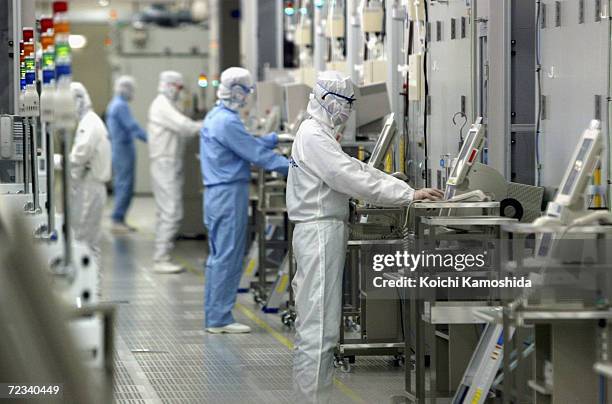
(467, 145)
(383, 143)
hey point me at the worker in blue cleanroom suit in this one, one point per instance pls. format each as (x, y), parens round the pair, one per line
(227, 151)
(123, 128)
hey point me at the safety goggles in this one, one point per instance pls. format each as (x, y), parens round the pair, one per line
(246, 89)
(350, 100)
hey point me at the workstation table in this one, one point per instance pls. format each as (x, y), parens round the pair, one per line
(449, 350)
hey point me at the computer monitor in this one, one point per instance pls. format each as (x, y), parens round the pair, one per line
(384, 142)
(372, 103)
(471, 148)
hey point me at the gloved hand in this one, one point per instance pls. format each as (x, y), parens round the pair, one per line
(286, 138)
(270, 140)
(428, 194)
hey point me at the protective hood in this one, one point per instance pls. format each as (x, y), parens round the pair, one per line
(331, 99)
(170, 84)
(235, 87)
(81, 98)
(125, 87)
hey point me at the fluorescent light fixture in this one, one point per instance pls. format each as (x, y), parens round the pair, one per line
(77, 41)
(103, 3)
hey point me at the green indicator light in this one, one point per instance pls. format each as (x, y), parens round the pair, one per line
(48, 59)
(62, 50)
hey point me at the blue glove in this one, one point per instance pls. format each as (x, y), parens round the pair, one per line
(270, 140)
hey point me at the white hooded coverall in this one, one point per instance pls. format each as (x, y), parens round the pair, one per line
(321, 179)
(166, 128)
(90, 168)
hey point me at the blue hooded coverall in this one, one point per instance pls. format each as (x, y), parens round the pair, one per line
(122, 128)
(227, 151)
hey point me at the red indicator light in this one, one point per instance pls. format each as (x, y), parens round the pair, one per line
(60, 6)
(472, 156)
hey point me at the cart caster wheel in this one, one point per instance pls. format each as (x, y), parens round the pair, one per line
(346, 367)
(343, 364)
(287, 319)
(257, 298)
(399, 361)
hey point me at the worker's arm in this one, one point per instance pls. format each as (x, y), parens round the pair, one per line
(172, 119)
(81, 153)
(128, 123)
(166, 115)
(270, 140)
(236, 138)
(325, 158)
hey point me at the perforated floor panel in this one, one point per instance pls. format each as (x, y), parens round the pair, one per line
(164, 356)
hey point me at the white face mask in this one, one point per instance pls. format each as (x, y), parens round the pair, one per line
(339, 112)
(344, 114)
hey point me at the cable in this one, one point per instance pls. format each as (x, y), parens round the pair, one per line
(425, 109)
(538, 179)
(407, 99)
(609, 99)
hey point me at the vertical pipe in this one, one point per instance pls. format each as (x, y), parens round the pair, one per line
(320, 42)
(394, 22)
(498, 120)
(26, 151)
(65, 145)
(16, 31)
(250, 12)
(353, 46)
(474, 57)
(214, 35)
(50, 178)
(34, 164)
(608, 156)
(280, 34)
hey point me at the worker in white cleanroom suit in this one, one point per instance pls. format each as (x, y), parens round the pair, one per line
(167, 129)
(321, 180)
(90, 169)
